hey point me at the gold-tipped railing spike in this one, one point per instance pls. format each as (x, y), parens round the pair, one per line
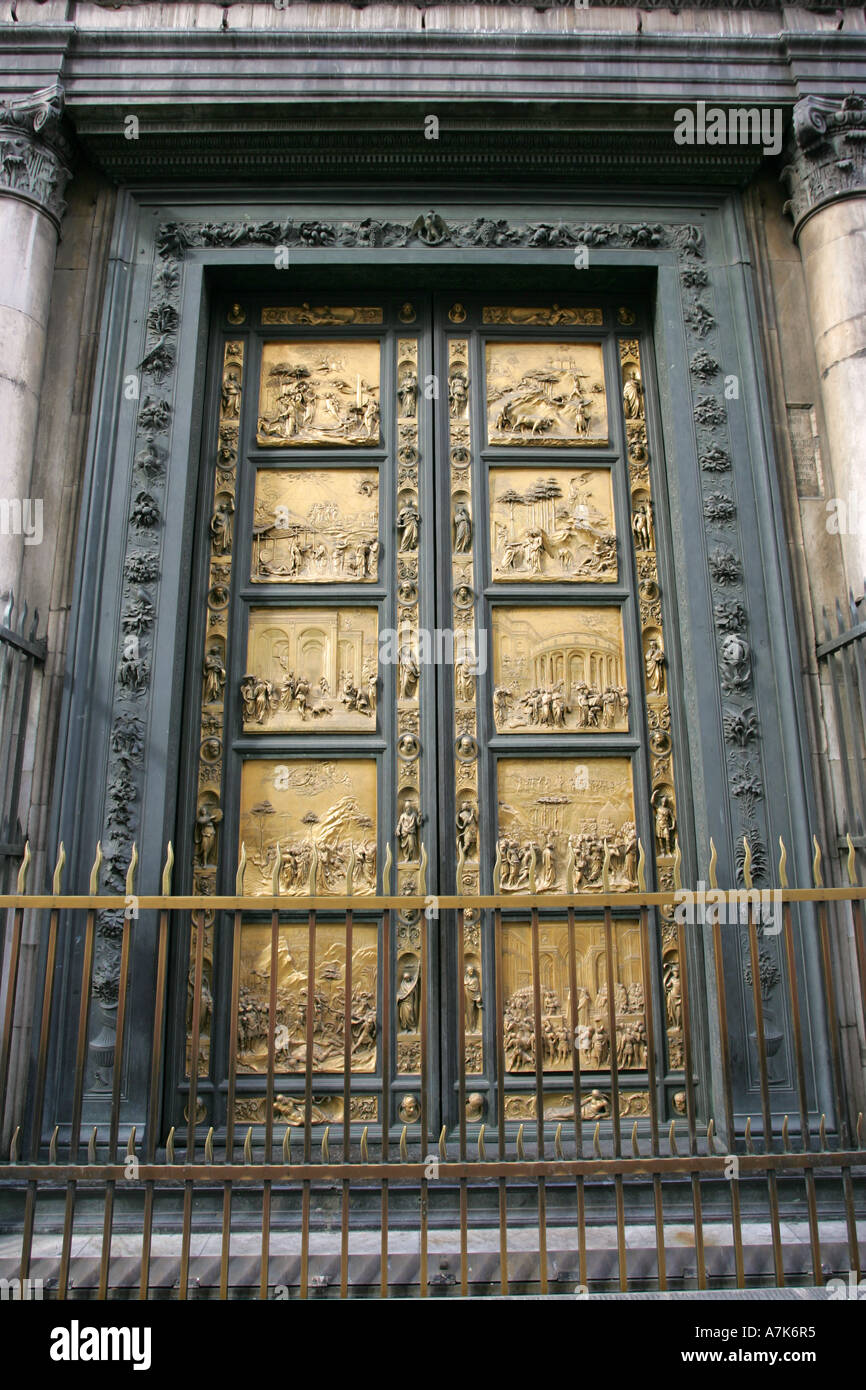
(822, 1133)
(58, 870)
(461, 860)
(52, 1145)
(678, 859)
(532, 859)
(404, 1149)
(314, 871)
(557, 1142)
(166, 872)
(91, 1146)
(714, 859)
(747, 1135)
(859, 1129)
(641, 867)
(275, 876)
(636, 1153)
(94, 872)
(248, 1146)
(852, 861)
(287, 1145)
(569, 869)
(242, 868)
(711, 1136)
(422, 873)
(208, 1146)
(326, 1148)
(497, 870)
(365, 1156)
(482, 1152)
(15, 1145)
(130, 1143)
(747, 862)
(22, 872)
(386, 872)
(350, 871)
(169, 1146)
(605, 868)
(130, 873)
(596, 1141)
(783, 864)
(786, 1143)
(672, 1138)
(816, 864)
(443, 1148)
(521, 1152)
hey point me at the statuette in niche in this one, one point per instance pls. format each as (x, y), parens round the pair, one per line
(407, 394)
(214, 676)
(462, 528)
(654, 664)
(472, 997)
(458, 394)
(408, 828)
(408, 523)
(632, 395)
(221, 525)
(206, 822)
(408, 1000)
(665, 821)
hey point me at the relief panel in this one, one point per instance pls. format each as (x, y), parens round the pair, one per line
(558, 668)
(314, 393)
(552, 525)
(546, 393)
(319, 816)
(316, 526)
(310, 668)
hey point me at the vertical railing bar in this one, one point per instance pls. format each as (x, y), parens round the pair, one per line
(728, 1097)
(697, 1202)
(849, 673)
(225, 1248)
(838, 1092)
(192, 1100)
(461, 1097)
(580, 1191)
(269, 1098)
(808, 1173)
(114, 1122)
(766, 1111)
(423, 1269)
(652, 1083)
(619, 1190)
(500, 1095)
(347, 1106)
(837, 673)
(539, 1101)
(9, 1005)
(39, 1089)
(154, 1097)
(77, 1098)
(387, 1003)
(309, 1022)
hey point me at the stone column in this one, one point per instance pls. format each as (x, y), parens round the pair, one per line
(34, 168)
(826, 179)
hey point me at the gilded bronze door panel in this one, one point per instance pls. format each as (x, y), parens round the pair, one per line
(432, 655)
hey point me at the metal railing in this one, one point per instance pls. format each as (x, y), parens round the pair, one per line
(843, 654)
(345, 1209)
(20, 651)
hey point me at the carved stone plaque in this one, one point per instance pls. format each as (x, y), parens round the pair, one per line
(329, 997)
(313, 810)
(555, 524)
(552, 807)
(557, 668)
(546, 394)
(316, 526)
(319, 393)
(310, 669)
(586, 1020)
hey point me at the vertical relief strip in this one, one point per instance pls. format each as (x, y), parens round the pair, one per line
(410, 854)
(462, 531)
(655, 672)
(211, 743)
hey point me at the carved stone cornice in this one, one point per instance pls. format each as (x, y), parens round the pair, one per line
(35, 155)
(827, 154)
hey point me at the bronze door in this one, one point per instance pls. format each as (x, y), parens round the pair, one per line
(432, 661)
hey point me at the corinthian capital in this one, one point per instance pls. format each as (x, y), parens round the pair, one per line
(827, 153)
(35, 154)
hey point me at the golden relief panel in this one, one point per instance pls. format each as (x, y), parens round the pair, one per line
(291, 1109)
(310, 668)
(584, 1021)
(318, 816)
(552, 525)
(559, 1107)
(293, 993)
(546, 394)
(556, 810)
(322, 317)
(316, 526)
(314, 393)
(553, 317)
(557, 668)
